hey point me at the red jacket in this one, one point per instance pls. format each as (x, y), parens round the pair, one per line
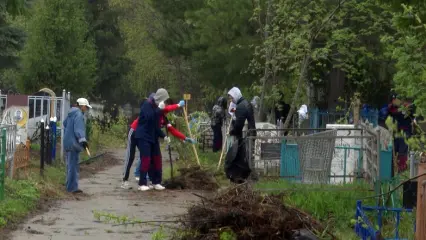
(170, 128)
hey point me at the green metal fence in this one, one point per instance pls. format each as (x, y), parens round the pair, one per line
(2, 162)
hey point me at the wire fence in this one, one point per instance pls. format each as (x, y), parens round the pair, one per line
(329, 156)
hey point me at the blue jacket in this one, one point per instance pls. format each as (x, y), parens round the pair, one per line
(149, 122)
(75, 130)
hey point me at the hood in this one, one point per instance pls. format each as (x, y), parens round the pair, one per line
(303, 111)
(161, 95)
(73, 111)
(235, 93)
(221, 102)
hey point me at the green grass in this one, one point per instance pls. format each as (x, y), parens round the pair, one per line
(22, 196)
(334, 205)
(35, 147)
(114, 137)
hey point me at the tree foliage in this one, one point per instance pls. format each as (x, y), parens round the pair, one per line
(407, 48)
(11, 38)
(214, 36)
(151, 69)
(112, 63)
(59, 54)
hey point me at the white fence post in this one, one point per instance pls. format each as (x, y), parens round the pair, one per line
(64, 101)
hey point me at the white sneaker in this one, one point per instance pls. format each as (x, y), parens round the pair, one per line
(125, 185)
(159, 187)
(137, 179)
(143, 188)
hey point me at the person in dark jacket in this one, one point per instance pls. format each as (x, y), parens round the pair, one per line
(281, 109)
(147, 133)
(218, 116)
(74, 142)
(404, 121)
(237, 168)
(163, 110)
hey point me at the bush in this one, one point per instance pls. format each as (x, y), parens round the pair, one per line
(113, 137)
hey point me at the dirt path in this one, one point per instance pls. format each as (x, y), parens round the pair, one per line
(73, 219)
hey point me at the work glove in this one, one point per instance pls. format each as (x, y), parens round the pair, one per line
(190, 140)
(85, 145)
(161, 105)
(181, 103)
(167, 140)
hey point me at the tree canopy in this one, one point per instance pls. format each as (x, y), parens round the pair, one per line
(59, 53)
(121, 50)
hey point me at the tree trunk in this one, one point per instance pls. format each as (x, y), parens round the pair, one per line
(262, 113)
(303, 72)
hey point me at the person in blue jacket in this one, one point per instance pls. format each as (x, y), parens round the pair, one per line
(147, 133)
(74, 142)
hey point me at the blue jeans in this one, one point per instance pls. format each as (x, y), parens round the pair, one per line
(72, 171)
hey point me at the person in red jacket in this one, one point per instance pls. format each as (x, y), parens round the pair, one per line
(131, 141)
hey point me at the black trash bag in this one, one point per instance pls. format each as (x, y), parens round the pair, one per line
(237, 168)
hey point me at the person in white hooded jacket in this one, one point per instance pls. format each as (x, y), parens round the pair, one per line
(303, 114)
(243, 112)
(237, 168)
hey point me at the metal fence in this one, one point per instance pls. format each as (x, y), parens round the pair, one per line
(2, 162)
(206, 136)
(43, 107)
(317, 155)
(320, 118)
(10, 148)
(367, 229)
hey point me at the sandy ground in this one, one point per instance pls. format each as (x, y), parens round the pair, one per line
(74, 219)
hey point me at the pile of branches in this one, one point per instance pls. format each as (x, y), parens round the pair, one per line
(193, 178)
(245, 214)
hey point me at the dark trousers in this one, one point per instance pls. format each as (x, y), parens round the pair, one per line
(217, 138)
(130, 154)
(401, 149)
(151, 163)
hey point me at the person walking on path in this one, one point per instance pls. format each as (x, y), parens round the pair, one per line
(74, 142)
(218, 117)
(147, 134)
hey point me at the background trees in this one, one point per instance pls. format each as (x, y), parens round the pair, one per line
(59, 53)
(121, 50)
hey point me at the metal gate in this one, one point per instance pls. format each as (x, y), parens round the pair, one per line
(43, 107)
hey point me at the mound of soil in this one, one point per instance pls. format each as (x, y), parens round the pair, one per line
(247, 214)
(193, 178)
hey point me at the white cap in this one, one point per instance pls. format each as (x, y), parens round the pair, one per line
(83, 102)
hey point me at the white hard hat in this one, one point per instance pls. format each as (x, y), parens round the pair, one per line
(83, 102)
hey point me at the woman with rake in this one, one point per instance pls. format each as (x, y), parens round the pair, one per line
(164, 109)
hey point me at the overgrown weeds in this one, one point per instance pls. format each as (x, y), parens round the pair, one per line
(113, 137)
(335, 205)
